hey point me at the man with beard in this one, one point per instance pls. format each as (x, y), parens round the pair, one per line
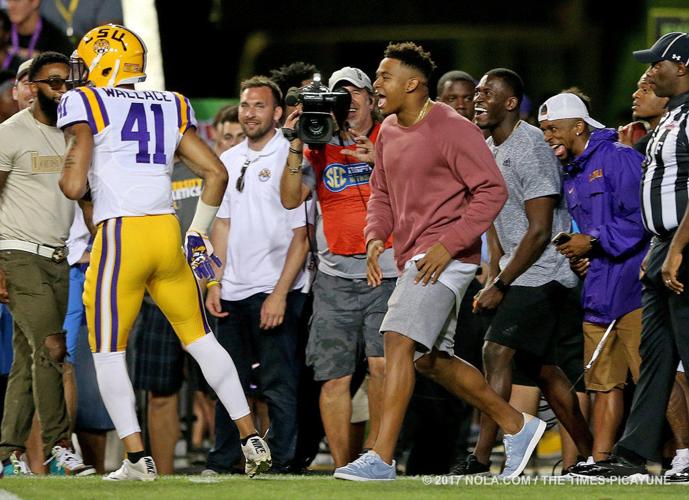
(346, 312)
(34, 276)
(258, 299)
(436, 189)
(530, 286)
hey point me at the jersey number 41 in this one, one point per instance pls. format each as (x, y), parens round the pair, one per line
(135, 128)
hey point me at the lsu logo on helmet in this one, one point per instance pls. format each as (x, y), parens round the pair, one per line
(108, 56)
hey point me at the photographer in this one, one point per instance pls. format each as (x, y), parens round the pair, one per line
(346, 312)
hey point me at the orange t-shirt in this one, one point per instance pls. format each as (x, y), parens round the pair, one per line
(343, 192)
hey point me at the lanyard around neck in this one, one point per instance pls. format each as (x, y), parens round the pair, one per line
(67, 14)
(15, 43)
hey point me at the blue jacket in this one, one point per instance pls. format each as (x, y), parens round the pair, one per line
(602, 190)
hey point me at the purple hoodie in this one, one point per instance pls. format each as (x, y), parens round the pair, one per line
(602, 190)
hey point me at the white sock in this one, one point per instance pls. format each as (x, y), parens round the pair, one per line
(220, 373)
(682, 452)
(116, 391)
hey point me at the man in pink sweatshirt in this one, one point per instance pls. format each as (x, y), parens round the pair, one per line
(436, 189)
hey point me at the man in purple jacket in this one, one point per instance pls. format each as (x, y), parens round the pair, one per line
(601, 185)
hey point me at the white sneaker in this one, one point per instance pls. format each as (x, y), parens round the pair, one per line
(143, 470)
(257, 455)
(65, 462)
(17, 465)
(679, 463)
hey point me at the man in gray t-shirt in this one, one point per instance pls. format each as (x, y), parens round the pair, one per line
(530, 286)
(531, 171)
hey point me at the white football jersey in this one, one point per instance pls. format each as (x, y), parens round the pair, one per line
(135, 135)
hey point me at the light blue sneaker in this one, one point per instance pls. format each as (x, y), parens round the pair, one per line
(368, 467)
(520, 446)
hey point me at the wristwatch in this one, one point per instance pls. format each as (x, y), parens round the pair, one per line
(595, 242)
(500, 284)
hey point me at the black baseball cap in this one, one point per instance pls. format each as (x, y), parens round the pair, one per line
(672, 47)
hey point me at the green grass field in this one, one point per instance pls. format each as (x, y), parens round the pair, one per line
(297, 487)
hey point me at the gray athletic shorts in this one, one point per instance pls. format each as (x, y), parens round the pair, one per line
(345, 324)
(426, 314)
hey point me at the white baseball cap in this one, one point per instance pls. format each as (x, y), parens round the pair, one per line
(566, 105)
(23, 69)
(352, 75)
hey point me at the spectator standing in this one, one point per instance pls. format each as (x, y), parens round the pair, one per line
(436, 188)
(456, 89)
(346, 312)
(601, 181)
(75, 17)
(530, 287)
(227, 130)
(22, 87)
(32, 34)
(258, 300)
(646, 106)
(8, 105)
(34, 224)
(293, 75)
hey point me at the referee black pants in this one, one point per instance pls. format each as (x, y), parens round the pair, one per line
(664, 341)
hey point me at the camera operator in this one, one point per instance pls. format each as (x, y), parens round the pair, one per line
(346, 312)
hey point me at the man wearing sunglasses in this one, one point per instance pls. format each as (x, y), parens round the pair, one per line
(258, 300)
(34, 276)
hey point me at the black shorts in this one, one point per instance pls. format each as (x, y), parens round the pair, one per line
(543, 324)
(158, 357)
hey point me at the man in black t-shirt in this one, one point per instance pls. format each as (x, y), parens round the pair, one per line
(31, 34)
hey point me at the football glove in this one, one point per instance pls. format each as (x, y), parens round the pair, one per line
(199, 255)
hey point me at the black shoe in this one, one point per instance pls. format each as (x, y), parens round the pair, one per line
(470, 466)
(615, 466)
(678, 477)
(577, 468)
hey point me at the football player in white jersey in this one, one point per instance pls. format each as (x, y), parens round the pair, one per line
(121, 144)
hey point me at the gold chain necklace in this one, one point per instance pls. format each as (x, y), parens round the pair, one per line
(423, 111)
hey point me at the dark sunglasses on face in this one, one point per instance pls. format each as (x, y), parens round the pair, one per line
(55, 82)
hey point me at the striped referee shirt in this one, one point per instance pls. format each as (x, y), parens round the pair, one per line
(665, 180)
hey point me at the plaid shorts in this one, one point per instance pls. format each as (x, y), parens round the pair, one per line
(156, 353)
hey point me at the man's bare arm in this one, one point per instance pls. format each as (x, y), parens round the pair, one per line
(74, 179)
(87, 210)
(219, 236)
(293, 192)
(201, 159)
